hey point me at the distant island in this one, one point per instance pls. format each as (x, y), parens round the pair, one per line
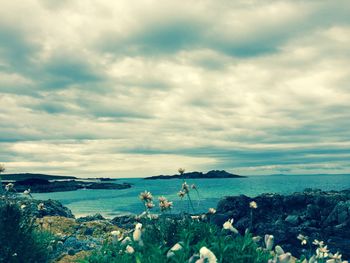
(197, 175)
(43, 183)
(24, 176)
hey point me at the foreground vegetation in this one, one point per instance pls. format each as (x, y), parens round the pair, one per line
(187, 240)
(20, 239)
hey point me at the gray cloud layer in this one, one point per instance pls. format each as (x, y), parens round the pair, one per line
(140, 88)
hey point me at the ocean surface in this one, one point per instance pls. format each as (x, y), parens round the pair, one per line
(110, 203)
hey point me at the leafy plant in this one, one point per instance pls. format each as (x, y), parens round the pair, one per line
(20, 241)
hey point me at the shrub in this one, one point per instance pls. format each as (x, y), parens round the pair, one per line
(20, 241)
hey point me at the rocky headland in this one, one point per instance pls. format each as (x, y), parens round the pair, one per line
(216, 174)
(42, 183)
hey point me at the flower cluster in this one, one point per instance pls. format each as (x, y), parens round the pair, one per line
(126, 241)
(322, 252)
(303, 239)
(147, 198)
(164, 204)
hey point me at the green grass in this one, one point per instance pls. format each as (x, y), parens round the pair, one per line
(160, 236)
(20, 240)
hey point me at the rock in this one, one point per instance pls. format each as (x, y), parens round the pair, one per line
(72, 242)
(45, 186)
(340, 214)
(218, 219)
(90, 218)
(292, 219)
(50, 208)
(315, 213)
(126, 222)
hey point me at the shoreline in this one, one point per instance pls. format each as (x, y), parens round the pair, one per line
(321, 215)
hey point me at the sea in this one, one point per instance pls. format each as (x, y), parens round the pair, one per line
(111, 203)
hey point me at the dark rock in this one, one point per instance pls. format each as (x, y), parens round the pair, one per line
(73, 242)
(315, 213)
(51, 208)
(218, 219)
(293, 220)
(126, 222)
(90, 218)
(45, 186)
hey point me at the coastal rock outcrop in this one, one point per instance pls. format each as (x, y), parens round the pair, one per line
(318, 214)
(44, 186)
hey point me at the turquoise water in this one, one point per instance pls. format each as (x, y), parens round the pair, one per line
(117, 202)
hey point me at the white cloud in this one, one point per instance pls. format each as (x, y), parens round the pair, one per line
(140, 88)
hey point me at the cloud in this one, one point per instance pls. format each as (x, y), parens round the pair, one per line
(134, 89)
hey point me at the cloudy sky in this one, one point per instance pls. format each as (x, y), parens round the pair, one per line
(135, 88)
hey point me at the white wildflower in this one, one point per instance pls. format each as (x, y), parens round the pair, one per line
(253, 205)
(279, 250)
(116, 236)
(303, 239)
(149, 205)
(228, 225)
(178, 246)
(322, 252)
(205, 253)
(137, 234)
(285, 258)
(269, 240)
(318, 243)
(126, 240)
(312, 259)
(41, 206)
(164, 204)
(195, 217)
(257, 239)
(335, 258)
(146, 196)
(212, 210)
(27, 192)
(129, 249)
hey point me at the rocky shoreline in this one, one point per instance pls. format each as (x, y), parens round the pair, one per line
(45, 186)
(322, 215)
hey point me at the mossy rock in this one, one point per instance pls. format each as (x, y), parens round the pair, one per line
(98, 228)
(75, 258)
(58, 225)
(69, 227)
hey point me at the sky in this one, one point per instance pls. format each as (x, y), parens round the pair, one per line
(133, 88)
